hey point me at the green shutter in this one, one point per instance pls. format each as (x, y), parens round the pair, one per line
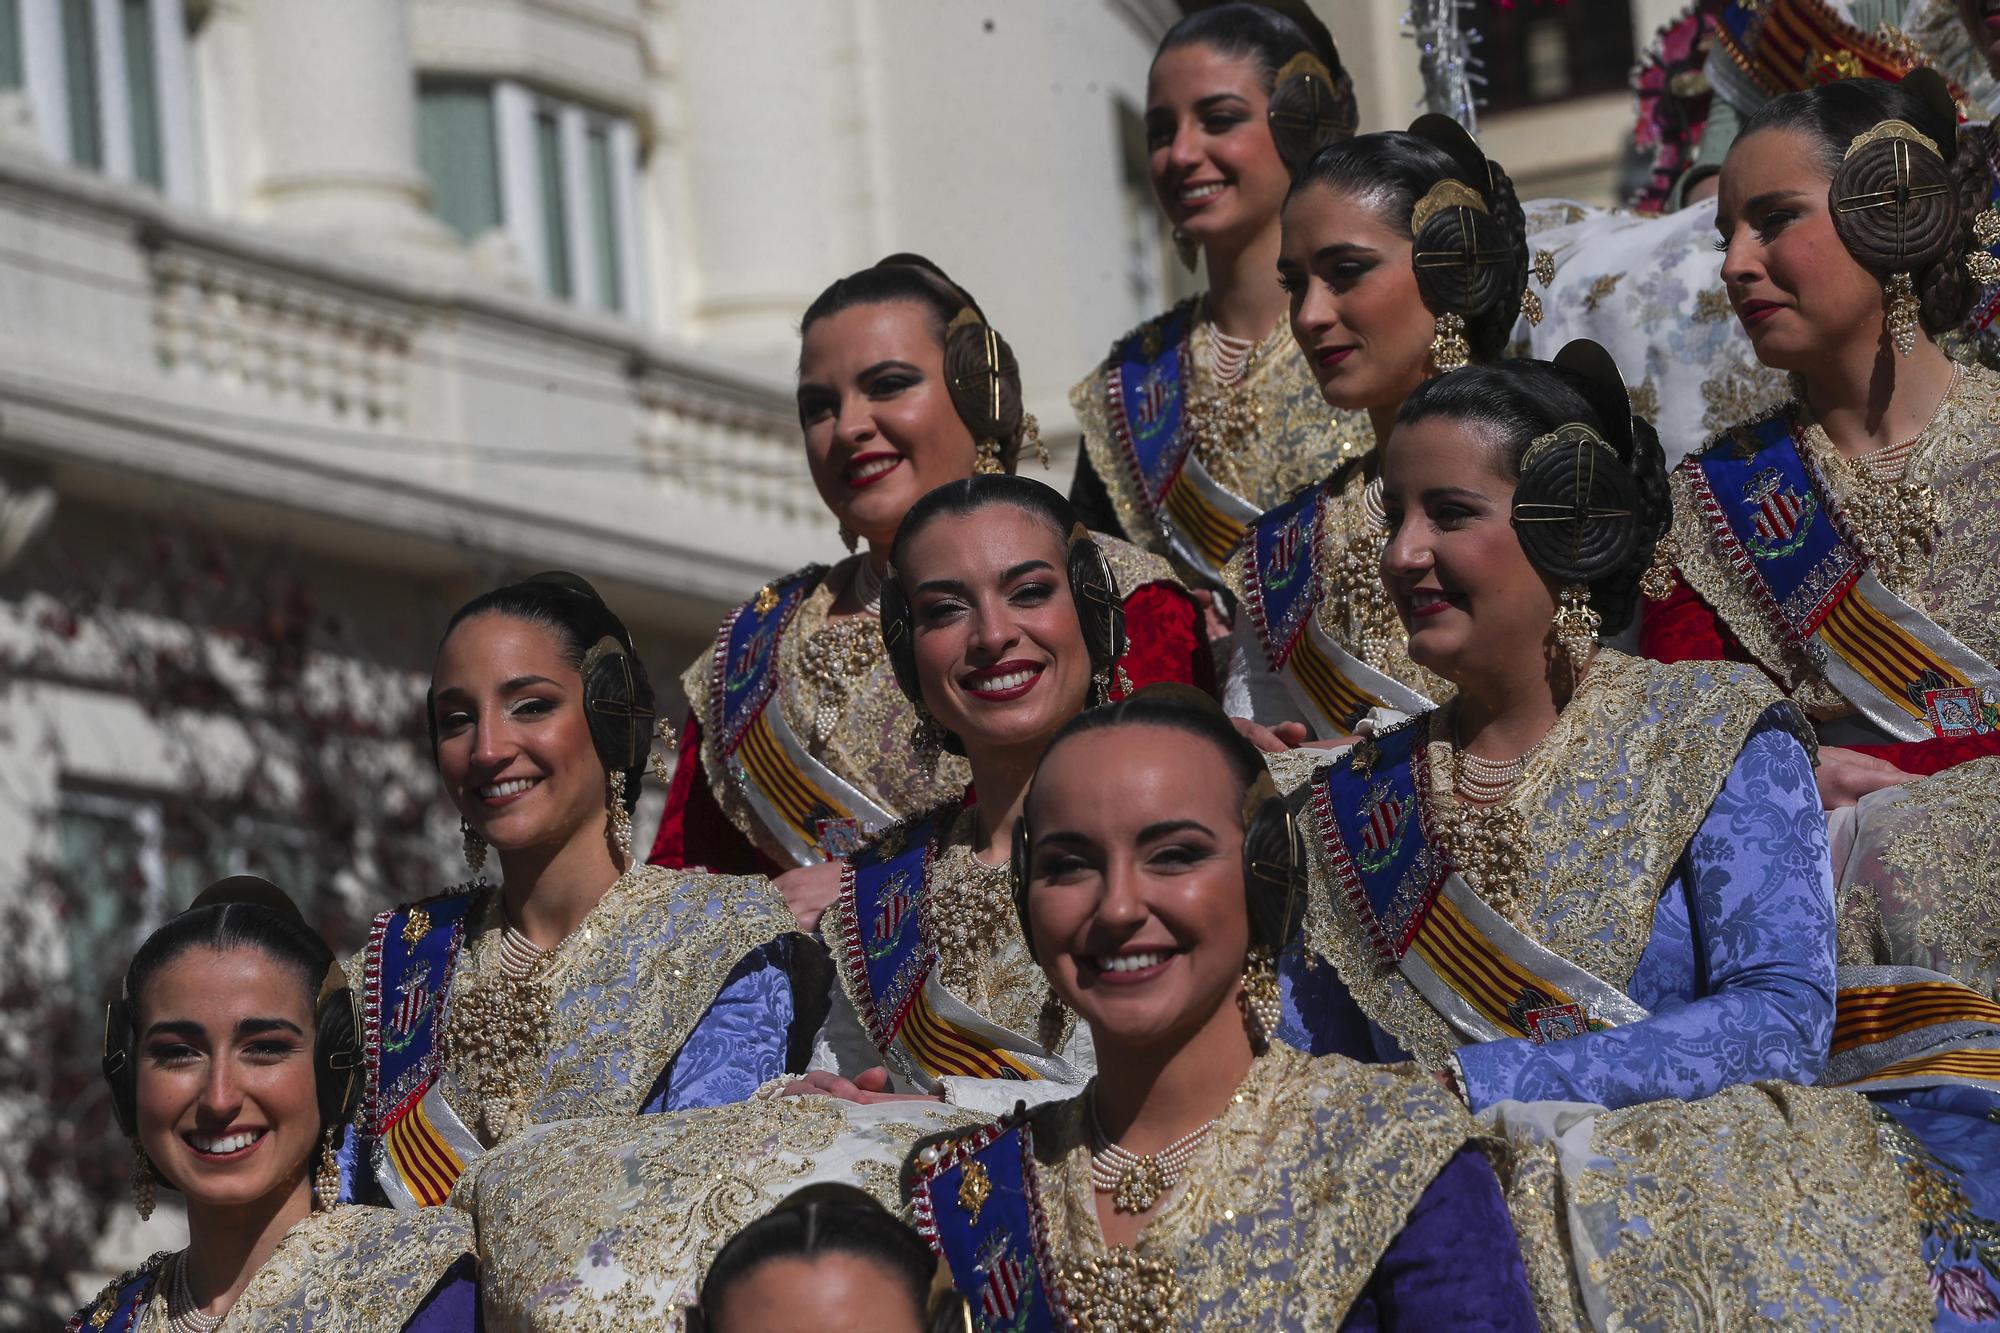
(461, 155)
(10, 43)
(605, 221)
(555, 224)
(86, 135)
(142, 84)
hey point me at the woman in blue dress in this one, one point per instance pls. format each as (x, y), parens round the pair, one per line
(586, 982)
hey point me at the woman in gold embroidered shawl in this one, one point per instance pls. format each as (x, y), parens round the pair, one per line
(234, 1059)
(1208, 1178)
(1846, 542)
(1375, 230)
(1205, 416)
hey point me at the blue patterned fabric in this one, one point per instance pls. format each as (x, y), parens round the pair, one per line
(740, 1043)
(1456, 1263)
(1956, 1156)
(1738, 972)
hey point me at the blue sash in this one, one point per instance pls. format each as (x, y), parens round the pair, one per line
(1372, 822)
(1779, 527)
(885, 945)
(406, 983)
(1786, 544)
(116, 1310)
(976, 1202)
(746, 656)
(1148, 388)
(1284, 553)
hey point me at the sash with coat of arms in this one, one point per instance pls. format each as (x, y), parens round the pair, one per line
(408, 1135)
(1779, 527)
(1282, 588)
(810, 810)
(117, 1307)
(1482, 974)
(974, 1199)
(889, 970)
(1146, 392)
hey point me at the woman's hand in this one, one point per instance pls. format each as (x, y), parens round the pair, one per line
(1272, 740)
(1845, 776)
(1215, 624)
(810, 890)
(868, 1087)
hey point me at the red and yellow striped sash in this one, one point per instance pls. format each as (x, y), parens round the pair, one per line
(1210, 531)
(423, 1159)
(1866, 1015)
(1888, 656)
(797, 801)
(1340, 699)
(946, 1050)
(1477, 970)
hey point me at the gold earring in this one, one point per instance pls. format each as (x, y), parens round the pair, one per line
(1449, 350)
(1049, 1030)
(326, 1183)
(620, 829)
(1100, 687)
(1576, 626)
(1263, 1005)
(988, 461)
(1186, 250)
(848, 539)
(475, 846)
(145, 1191)
(927, 740)
(1657, 583)
(1031, 436)
(1903, 323)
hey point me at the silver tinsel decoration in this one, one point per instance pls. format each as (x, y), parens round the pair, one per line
(1444, 54)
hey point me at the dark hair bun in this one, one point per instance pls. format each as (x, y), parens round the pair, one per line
(1464, 262)
(1895, 199)
(1576, 506)
(618, 705)
(984, 378)
(1310, 108)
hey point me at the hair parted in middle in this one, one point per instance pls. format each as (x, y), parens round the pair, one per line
(1469, 237)
(1311, 93)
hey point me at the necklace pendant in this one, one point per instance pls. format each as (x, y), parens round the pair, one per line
(1140, 1186)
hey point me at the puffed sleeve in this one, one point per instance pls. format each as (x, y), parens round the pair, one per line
(1758, 883)
(744, 1039)
(1684, 628)
(1455, 1264)
(453, 1304)
(1166, 638)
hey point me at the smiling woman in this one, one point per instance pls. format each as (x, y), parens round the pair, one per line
(1001, 620)
(1206, 415)
(234, 1062)
(798, 747)
(1207, 1177)
(587, 983)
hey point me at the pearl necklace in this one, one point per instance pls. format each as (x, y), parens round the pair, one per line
(182, 1312)
(866, 585)
(1136, 1183)
(1486, 781)
(1228, 356)
(518, 954)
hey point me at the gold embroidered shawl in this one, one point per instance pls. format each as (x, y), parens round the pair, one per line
(626, 987)
(1934, 538)
(1609, 800)
(346, 1270)
(1298, 440)
(611, 1222)
(1353, 607)
(870, 743)
(1290, 1200)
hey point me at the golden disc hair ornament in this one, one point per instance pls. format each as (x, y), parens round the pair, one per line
(1310, 108)
(1465, 263)
(1576, 500)
(1895, 205)
(984, 379)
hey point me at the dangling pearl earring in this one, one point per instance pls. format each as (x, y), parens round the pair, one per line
(475, 846)
(145, 1191)
(621, 818)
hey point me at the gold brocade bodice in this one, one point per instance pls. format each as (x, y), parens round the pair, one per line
(1284, 1210)
(1594, 828)
(1932, 537)
(1261, 439)
(349, 1269)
